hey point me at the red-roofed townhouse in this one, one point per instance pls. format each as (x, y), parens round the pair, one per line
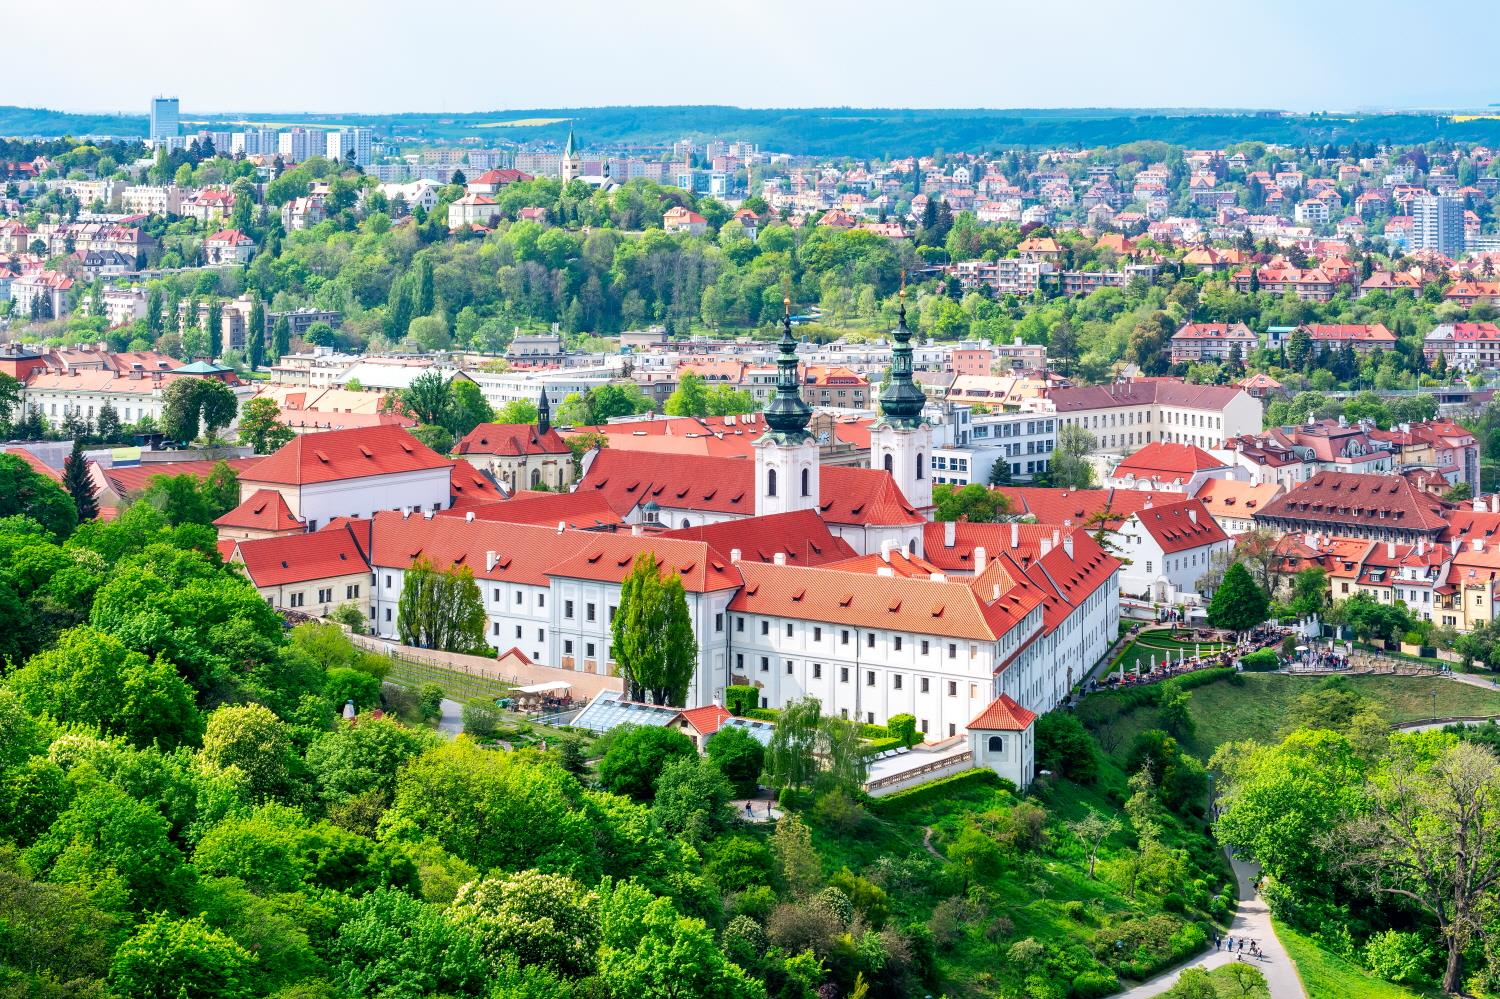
(311, 573)
(1170, 547)
(1212, 342)
(681, 219)
(353, 473)
(1464, 346)
(228, 246)
(264, 514)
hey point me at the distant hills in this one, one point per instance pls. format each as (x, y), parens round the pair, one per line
(861, 132)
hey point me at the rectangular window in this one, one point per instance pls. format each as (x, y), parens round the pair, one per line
(897, 643)
(541, 600)
(844, 636)
(297, 599)
(765, 627)
(952, 688)
(497, 595)
(789, 630)
(351, 591)
(925, 684)
(817, 671)
(387, 613)
(789, 667)
(869, 717)
(324, 596)
(518, 632)
(869, 639)
(591, 612)
(567, 647)
(896, 681)
(765, 665)
(718, 622)
(843, 674)
(739, 624)
(923, 726)
(817, 634)
(952, 651)
(568, 609)
(388, 581)
(495, 628)
(869, 678)
(924, 646)
(589, 650)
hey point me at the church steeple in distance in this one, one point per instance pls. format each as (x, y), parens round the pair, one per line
(788, 413)
(901, 403)
(543, 414)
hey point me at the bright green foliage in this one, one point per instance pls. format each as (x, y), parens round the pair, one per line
(191, 404)
(692, 800)
(24, 492)
(638, 755)
(974, 503)
(651, 952)
(92, 678)
(354, 759)
(495, 810)
(256, 743)
(466, 408)
(170, 958)
(653, 644)
(428, 398)
(739, 756)
(544, 919)
(389, 945)
(260, 428)
(690, 398)
(186, 499)
(441, 609)
(276, 850)
(1238, 604)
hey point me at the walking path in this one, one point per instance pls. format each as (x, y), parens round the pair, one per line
(1253, 922)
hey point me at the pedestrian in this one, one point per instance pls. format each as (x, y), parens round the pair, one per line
(749, 811)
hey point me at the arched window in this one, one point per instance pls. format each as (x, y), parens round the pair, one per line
(889, 465)
(771, 482)
(997, 744)
(921, 472)
(536, 477)
(806, 482)
(686, 523)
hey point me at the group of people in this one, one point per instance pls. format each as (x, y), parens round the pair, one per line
(1238, 946)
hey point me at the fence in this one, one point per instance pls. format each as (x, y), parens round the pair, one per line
(478, 676)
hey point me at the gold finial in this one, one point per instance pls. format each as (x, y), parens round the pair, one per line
(786, 304)
(903, 284)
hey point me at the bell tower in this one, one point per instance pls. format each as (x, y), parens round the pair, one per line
(901, 441)
(572, 163)
(786, 456)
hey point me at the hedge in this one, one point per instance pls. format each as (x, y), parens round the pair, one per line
(740, 699)
(874, 746)
(1203, 677)
(904, 727)
(979, 777)
(1260, 661)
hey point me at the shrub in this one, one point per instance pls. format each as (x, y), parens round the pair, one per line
(1204, 677)
(975, 780)
(1260, 661)
(1403, 958)
(739, 756)
(1094, 984)
(740, 699)
(1172, 902)
(904, 727)
(638, 756)
(430, 702)
(481, 718)
(1076, 911)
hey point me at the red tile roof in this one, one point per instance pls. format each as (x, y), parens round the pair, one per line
(727, 485)
(511, 440)
(301, 558)
(131, 479)
(584, 511)
(993, 538)
(523, 553)
(346, 454)
(1163, 460)
(920, 606)
(37, 464)
(1003, 715)
(1349, 498)
(469, 487)
(610, 557)
(705, 720)
(264, 510)
(1180, 526)
(802, 536)
(1073, 507)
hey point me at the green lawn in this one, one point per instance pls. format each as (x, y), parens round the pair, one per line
(1159, 643)
(1325, 975)
(1257, 708)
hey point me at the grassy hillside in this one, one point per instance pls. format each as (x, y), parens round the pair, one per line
(1257, 708)
(1325, 975)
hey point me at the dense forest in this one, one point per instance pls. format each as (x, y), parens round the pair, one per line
(854, 132)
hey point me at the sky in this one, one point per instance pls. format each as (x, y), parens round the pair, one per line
(480, 55)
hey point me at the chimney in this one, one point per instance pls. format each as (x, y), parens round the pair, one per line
(468, 516)
(1390, 549)
(995, 592)
(1068, 546)
(426, 514)
(938, 577)
(562, 525)
(636, 530)
(885, 550)
(1192, 515)
(1015, 535)
(950, 531)
(885, 570)
(1478, 544)
(405, 512)
(981, 559)
(734, 555)
(490, 558)
(1479, 504)
(1456, 544)
(1421, 546)
(1056, 538)
(1045, 548)
(1495, 503)
(780, 558)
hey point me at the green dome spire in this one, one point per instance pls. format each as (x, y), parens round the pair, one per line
(901, 403)
(788, 413)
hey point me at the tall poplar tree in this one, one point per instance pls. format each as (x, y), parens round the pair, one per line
(653, 645)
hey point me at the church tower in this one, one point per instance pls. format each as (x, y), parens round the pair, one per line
(786, 456)
(901, 441)
(572, 163)
(543, 414)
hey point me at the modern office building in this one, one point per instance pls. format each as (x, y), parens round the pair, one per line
(164, 116)
(1437, 223)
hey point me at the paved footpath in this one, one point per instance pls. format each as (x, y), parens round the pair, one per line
(1253, 921)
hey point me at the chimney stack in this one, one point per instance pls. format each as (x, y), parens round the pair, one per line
(734, 555)
(1192, 515)
(1495, 503)
(885, 570)
(1478, 544)
(981, 559)
(779, 558)
(468, 516)
(490, 558)
(1068, 546)
(938, 577)
(950, 531)
(885, 549)
(1390, 549)
(1045, 548)
(636, 530)
(1479, 504)
(562, 525)
(1015, 535)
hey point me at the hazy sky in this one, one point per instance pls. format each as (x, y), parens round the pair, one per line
(465, 55)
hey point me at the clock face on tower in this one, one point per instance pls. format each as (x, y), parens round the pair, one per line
(822, 437)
